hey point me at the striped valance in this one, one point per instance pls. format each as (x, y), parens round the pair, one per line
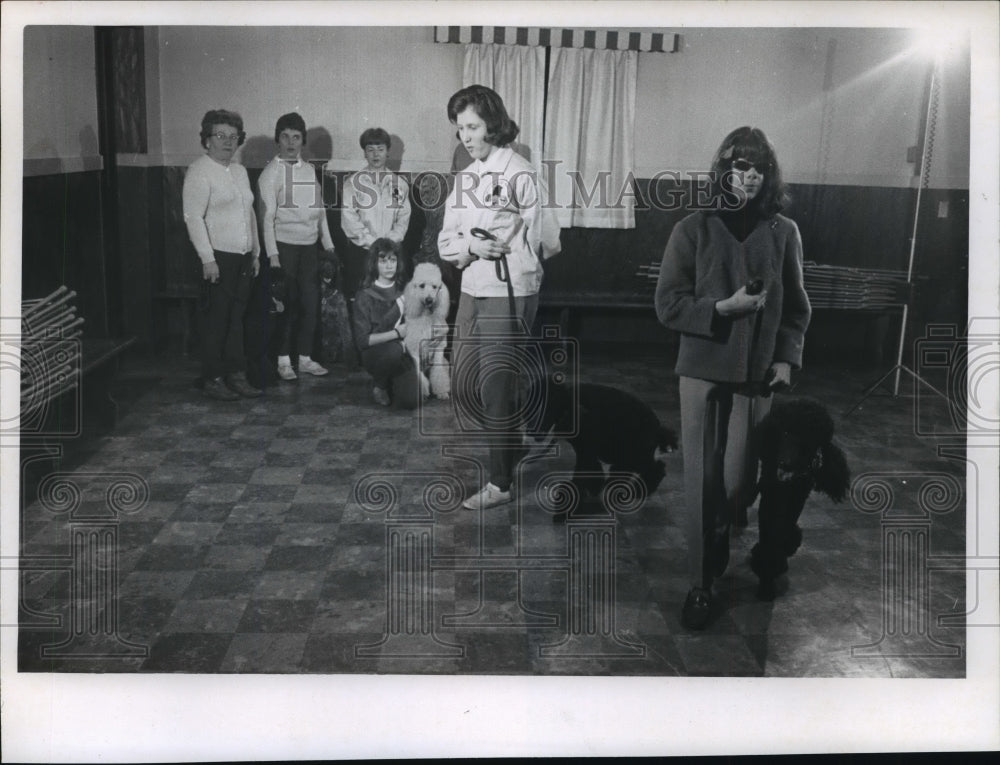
(650, 42)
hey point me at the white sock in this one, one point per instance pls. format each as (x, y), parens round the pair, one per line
(284, 361)
(304, 358)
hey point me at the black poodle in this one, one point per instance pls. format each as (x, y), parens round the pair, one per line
(611, 427)
(334, 326)
(797, 455)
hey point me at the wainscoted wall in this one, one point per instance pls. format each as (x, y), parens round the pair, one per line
(840, 225)
(63, 243)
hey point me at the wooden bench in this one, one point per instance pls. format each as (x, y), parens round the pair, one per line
(55, 360)
(870, 295)
(571, 305)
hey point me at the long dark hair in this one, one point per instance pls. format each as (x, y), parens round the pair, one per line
(381, 248)
(500, 128)
(751, 144)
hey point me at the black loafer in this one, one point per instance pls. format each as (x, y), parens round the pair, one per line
(216, 388)
(238, 382)
(697, 609)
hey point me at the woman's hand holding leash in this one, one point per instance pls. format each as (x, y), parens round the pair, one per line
(740, 302)
(747, 299)
(486, 246)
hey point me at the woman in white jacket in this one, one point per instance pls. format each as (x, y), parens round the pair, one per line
(496, 229)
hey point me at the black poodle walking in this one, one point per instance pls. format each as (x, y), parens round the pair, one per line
(797, 456)
(608, 426)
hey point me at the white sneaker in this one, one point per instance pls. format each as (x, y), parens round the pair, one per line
(308, 366)
(489, 496)
(285, 372)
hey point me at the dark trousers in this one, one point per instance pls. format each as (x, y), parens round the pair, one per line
(300, 264)
(393, 370)
(222, 350)
(486, 374)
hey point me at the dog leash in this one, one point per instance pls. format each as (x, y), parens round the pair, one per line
(502, 271)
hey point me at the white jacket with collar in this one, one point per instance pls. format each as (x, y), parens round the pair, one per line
(376, 204)
(505, 196)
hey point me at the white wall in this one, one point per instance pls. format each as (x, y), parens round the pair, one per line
(341, 79)
(344, 79)
(60, 100)
(855, 132)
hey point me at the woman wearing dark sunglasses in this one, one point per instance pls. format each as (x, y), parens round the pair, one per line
(731, 285)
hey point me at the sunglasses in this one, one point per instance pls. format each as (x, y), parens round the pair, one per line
(745, 165)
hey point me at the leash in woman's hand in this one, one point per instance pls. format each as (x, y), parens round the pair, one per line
(502, 271)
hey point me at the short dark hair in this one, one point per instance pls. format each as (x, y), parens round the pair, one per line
(751, 144)
(215, 117)
(382, 248)
(500, 128)
(375, 135)
(290, 121)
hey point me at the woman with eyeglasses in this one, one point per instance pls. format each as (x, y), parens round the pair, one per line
(731, 284)
(218, 212)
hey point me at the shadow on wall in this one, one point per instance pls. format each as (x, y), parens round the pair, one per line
(258, 150)
(396, 152)
(319, 145)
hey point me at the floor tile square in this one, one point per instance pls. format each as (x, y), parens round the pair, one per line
(287, 585)
(278, 616)
(298, 558)
(190, 653)
(265, 653)
(236, 557)
(210, 615)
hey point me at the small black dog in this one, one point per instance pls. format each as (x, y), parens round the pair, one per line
(612, 427)
(797, 456)
(335, 326)
(264, 316)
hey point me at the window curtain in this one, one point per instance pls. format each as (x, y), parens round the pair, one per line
(517, 74)
(590, 133)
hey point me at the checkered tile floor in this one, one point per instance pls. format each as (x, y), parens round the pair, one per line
(310, 531)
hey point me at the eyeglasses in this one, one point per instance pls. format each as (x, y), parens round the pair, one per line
(745, 165)
(226, 137)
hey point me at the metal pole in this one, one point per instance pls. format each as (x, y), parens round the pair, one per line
(916, 220)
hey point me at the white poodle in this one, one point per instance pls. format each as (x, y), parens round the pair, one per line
(425, 307)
